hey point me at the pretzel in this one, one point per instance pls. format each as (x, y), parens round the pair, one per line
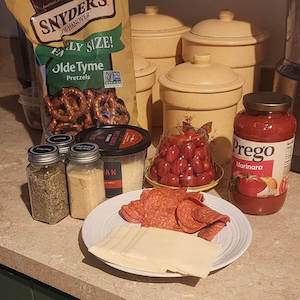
(65, 108)
(65, 127)
(73, 110)
(110, 110)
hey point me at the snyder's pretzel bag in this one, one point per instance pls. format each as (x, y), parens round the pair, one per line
(83, 50)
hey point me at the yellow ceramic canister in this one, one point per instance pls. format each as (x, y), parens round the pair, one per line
(203, 95)
(144, 79)
(157, 37)
(238, 44)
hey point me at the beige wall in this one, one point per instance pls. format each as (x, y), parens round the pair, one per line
(269, 14)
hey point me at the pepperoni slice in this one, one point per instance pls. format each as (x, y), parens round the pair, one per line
(131, 214)
(205, 214)
(196, 197)
(185, 217)
(163, 218)
(210, 231)
(128, 217)
(138, 207)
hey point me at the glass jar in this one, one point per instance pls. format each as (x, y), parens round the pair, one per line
(63, 142)
(47, 184)
(262, 150)
(85, 179)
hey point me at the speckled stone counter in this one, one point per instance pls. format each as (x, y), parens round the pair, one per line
(56, 255)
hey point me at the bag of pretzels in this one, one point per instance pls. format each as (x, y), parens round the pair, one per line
(83, 51)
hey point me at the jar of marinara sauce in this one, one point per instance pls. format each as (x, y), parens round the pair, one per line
(262, 150)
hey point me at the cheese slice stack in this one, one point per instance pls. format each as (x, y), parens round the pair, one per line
(157, 250)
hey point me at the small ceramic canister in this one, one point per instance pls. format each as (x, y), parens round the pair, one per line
(144, 80)
(157, 37)
(237, 44)
(204, 95)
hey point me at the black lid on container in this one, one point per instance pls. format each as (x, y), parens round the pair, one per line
(267, 101)
(116, 140)
(62, 141)
(84, 152)
(43, 154)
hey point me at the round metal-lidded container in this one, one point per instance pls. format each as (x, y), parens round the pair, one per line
(205, 95)
(124, 150)
(144, 80)
(63, 142)
(47, 184)
(157, 37)
(85, 176)
(238, 44)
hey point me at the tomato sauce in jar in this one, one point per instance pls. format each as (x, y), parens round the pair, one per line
(262, 151)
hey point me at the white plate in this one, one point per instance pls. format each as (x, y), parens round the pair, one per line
(234, 238)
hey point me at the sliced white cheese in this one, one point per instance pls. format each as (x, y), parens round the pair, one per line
(157, 250)
(113, 245)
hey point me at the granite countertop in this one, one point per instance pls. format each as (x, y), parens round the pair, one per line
(56, 255)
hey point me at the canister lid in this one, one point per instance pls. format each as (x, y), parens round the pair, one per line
(43, 154)
(84, 152)
(226, 31)
(151, 23)
(201, 76)
(116, 140)
(62, 141)
(267, 101)
(143, 67)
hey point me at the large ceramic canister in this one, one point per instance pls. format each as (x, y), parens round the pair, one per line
(238, 44)
(157, 37)
(204, 95)
(144, 79)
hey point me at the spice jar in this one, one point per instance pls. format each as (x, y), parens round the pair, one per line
(203, 94)
(157, 37)
(235, 43)
(124, 150)
(85, 179)
(144, 81)
(262, 150)
(47, 184)
(63, 142)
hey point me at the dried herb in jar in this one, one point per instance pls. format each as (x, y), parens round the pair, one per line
(47, 184)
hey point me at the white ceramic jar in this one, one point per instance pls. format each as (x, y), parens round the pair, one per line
(238, 44)
(144, 81)
(205, 95)
(157, 37)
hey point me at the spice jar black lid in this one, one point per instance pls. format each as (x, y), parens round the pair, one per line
(43, 154)
(116, 140)
(267, 101)
(62, 141)
(84, 152)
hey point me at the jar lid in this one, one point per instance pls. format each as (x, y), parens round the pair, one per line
(142, 66)
(62, 141)
(84, 152)
(267, 101)
(151, 23)
(201, 76)
(43, 154)
(116, 140)
(225, 31)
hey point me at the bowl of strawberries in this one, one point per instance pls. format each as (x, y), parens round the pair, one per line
(184, 160)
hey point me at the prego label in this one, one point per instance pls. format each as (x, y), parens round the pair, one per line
(260, 169)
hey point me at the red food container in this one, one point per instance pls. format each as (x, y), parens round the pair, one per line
(183, 159)
(262, 150)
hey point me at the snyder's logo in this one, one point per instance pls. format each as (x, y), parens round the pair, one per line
(69, 18)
